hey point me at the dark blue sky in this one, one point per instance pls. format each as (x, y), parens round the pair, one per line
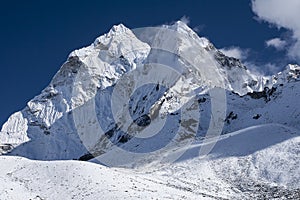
(37, 36)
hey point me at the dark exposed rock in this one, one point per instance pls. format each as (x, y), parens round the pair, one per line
(257, 116)
(86, 157)
(201, 100)
(5, 147)
(124, 138)
(264, 191)
(111, 132)
(229, 62)
(230, 116)
(143, 120)
(266, 94)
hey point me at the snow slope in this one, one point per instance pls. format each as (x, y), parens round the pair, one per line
(239, 167)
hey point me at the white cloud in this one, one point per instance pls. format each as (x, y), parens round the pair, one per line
(255, 68)
(282, 14)
(235, 52)
(198, 28)
(262, 69)
(271, 68)
(185, 19)
(277, 43)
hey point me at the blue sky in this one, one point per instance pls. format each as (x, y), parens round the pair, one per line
(37, 36)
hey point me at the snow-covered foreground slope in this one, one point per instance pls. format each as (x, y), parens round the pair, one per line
(260, 162)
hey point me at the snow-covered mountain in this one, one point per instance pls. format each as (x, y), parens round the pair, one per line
(150, 97)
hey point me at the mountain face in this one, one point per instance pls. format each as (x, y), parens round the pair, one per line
(92, 73)
(158, 95)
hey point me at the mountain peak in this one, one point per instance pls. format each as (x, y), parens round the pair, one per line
(293, 67)
(119, 28)
(115, 31)
(181, 25)
(291, 73)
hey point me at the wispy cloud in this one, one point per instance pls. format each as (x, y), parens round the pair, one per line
(235, 52)
(283, 14)
(262, 69)
(185, 19)
(198, 28)
(276, 43)
(245, 56)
